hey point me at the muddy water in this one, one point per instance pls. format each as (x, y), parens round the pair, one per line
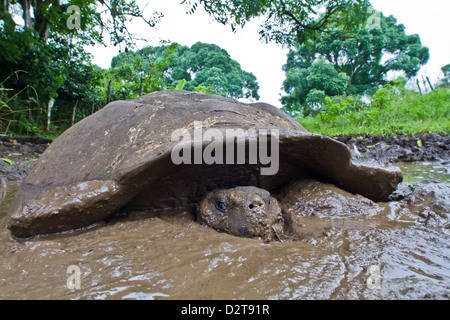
(417, 171)
(169, 256)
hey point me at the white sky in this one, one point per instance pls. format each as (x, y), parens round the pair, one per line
(429, 19)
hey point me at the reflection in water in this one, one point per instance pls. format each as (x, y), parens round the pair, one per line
(170, 256)
(418, 171)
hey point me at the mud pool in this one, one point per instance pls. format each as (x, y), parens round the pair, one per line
(414, 172)
(170, 256)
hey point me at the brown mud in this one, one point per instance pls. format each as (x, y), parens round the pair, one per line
(430, 147)
(168, 255)
(22, 152)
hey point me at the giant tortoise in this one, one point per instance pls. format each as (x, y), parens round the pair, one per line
(121, 158)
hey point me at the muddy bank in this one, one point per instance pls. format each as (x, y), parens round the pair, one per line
(420, 147)
(21, 153)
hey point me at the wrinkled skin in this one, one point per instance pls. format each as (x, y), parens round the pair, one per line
(310, 208)
(303, 209)
(242, 211)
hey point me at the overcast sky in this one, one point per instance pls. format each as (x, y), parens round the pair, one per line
(430, 19)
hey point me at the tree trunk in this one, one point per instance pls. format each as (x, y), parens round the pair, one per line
(41, 16)
(141, 89)
(7, 18)
(50, 104)
(4, 6)
(26, 8)
(429, 83)
(74, 110)
(108, 94)
(418, 86)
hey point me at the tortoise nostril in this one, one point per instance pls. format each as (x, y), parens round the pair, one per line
(253, 205)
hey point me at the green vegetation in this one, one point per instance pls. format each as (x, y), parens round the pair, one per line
(8, 161)
(393, 109)
(354, 63)
(202, 67)
(288, 22)
(446, 80)
(75, 89)
(48, 81)
(327, 80)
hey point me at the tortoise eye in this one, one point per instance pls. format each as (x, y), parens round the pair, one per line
(221, 206)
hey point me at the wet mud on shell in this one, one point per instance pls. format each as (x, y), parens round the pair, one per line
(321, 157)
(382, 150)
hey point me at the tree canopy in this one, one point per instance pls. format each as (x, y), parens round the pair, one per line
(311, 85)
(43, 57)
(363, 57)
(287, 21)
(99, 18)
(445, 82)
(201, 67)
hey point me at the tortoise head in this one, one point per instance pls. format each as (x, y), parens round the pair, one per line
(242, 211)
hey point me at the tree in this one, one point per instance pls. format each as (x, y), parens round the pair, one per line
(47, 17)
(445, 82)
(203, 65)
(53, 71)
(286, 21)
(42, 53)
(306, 88)
(134, 73)
(48, 50)
(365, 56)
(81, 92)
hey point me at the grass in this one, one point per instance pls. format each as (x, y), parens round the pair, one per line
(391, 111)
